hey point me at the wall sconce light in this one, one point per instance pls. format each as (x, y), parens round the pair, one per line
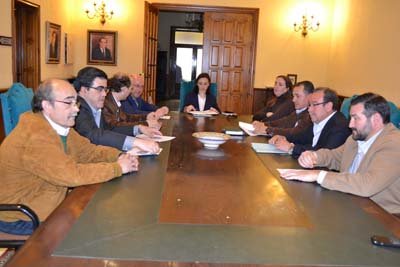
(308, 23)
(99, 11)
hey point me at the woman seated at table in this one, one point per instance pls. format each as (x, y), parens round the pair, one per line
(279, 106)
(201, 99)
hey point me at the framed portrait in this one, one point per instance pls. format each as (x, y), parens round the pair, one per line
(53, 43)
(292, 78)
(102, 47)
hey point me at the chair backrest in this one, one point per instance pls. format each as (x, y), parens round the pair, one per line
(187, 87)
(394, 111)
(15, 101)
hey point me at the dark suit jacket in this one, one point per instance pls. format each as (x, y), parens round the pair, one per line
(286, 125)
(141, 107)
(333, 135)
(97, 55)
(114, 116)
(211, 101)
(106, 134)
(281, 107)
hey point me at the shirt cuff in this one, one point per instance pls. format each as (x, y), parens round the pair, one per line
(136, 130)
(321, 176)
(128, 143)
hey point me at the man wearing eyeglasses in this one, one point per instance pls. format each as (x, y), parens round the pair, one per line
(135, 104)
(43, 156)
(329, 128)
(91, 84)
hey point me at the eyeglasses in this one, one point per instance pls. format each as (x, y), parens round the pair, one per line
(316, 104)
(71, 104)
(100, 89)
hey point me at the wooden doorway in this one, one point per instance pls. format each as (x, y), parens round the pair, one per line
(26, 43)
(232, 64)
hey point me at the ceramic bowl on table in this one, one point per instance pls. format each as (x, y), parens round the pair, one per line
(211, 140)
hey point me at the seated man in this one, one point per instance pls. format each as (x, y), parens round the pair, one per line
(119, 86)
(43, 156)
(368, 161)
(135, 104)
(91, 84)
(329, 128)
(295, 122)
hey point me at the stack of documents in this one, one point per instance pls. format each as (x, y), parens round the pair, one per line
(266, 148)
(140, 153)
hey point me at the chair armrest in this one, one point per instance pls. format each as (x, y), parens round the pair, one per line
(25, 210)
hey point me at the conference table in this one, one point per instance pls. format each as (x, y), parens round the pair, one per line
(192, 206)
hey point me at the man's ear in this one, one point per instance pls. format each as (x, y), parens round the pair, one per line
(329, 105)
(376, 119)
(46, 105)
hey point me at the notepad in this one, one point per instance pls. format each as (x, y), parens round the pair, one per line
(267, 148)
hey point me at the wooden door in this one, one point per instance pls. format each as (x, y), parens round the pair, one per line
(150, 53)
(229, 46)
(26, 44)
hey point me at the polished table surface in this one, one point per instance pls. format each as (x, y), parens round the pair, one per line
(192, 206)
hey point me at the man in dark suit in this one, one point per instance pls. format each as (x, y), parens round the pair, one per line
(297, 121)
(91, 85)
(101, 52)
(329, 128)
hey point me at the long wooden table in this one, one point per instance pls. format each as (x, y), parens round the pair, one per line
(196, 207)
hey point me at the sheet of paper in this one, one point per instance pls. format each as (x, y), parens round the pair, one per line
(157, 138)
(266, 148)
(140, 153)
(165, 117)
(205, 113)
(247, 127)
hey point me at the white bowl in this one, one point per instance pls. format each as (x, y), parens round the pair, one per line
(211, 140)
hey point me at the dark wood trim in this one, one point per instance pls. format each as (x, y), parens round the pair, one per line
(200, 8)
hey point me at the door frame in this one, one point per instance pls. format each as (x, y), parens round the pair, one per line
(201, 9)
(14, 39)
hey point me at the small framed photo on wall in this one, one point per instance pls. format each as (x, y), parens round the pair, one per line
(102, 47)
(292, 78)
(53, 43)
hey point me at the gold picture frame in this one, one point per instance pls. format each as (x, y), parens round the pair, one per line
(102, 47)
(53, 43)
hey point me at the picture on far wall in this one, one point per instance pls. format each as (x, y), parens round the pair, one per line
(292, 78)
(102, 47)
(53, 43)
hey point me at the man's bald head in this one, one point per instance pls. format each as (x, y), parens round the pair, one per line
(137, 81)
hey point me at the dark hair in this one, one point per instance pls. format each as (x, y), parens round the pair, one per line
(373, 103)
(44, 92)
(307, 85)
(86, 77)
(288, 82)
(329, 96)
(118, 81)
(202, 75)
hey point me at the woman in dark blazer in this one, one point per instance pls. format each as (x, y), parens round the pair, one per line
(200, 98)
(279, 106)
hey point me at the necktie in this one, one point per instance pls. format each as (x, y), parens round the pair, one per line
(97, 118)
(356, 162)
